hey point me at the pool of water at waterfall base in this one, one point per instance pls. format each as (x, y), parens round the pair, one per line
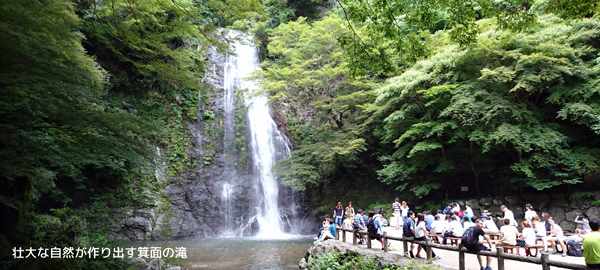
(238, 253)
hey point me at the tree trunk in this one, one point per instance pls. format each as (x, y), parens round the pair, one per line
(473, 168)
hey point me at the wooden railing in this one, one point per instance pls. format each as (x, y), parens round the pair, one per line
(544, 261)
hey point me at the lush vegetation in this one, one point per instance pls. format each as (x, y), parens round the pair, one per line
(500, 96)
(91, 91)
(416, 98)
(339, 261)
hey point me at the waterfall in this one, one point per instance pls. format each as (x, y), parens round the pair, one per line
(266, 143)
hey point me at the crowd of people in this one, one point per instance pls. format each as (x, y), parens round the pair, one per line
(453, 222)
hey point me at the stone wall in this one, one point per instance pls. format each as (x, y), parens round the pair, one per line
(560, 206)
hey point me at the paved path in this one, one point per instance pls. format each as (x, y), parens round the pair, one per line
(450, 258)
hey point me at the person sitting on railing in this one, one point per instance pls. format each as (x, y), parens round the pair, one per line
(555, 236)
(470, 240)
(408, 230)
(378, 225)
(591, 245)
(420, 231)
(456, 229)
(359, 225)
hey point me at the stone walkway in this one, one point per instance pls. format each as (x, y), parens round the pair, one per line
(450, 258)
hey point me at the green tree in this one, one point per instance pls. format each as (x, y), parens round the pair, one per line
(520, 105)
(307, 72)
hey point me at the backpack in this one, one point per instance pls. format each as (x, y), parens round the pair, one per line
(371, 227)
(574, 249)
(460, 214)
(468, 238)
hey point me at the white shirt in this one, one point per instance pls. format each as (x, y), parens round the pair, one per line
(490, 226)
(420, 230)
(469, 211)
(540, 228)
(509, 235)
(529, 236)
(404, 211)
(529, 214)
(467, 225)
(510, 216)
(456, 228)
(438, 226)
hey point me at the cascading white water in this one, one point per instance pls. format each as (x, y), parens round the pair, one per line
(226, 198)
(267, 143)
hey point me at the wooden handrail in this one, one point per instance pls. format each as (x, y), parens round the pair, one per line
(499, 254)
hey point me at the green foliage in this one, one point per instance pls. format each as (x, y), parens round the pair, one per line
(307, 71)
(507, 101)
(339, 261)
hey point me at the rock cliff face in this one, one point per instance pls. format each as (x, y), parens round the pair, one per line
(217, 197)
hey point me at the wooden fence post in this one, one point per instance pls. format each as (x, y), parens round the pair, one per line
(461, 257)
(545, 265)
(385, 242)
(500, 252)
(337, 235)
(354, 238)
(344, 235)
(428, 248)
(368, 240)
(405, 246)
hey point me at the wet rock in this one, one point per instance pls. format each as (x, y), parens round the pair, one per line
(497, 202)
(303, 264)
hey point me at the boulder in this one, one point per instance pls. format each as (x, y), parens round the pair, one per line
(557, 213)
(497, 202)
(567, 225)
(487, 201)
(570, 216)
(303, 264)
(593, 212)
(474, 204)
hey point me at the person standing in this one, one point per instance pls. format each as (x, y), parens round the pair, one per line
(350, 211)
(470, 240)
(338, 213)
(591, 245)
(508, 215)
(404, 208)
(530, 213)
(468, 210)
(397, 212)
(585, 223)
(428, 220)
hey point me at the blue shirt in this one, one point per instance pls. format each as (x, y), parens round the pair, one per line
(377, 224)
(428, 222)
(359, 221)
(365, 219)
(332, 229)
(406, 228)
